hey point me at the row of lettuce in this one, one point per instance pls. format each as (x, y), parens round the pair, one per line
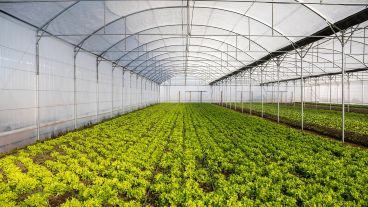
(185, 155)
(321, 120)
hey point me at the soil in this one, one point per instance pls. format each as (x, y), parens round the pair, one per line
(21, 166)
(59, 199)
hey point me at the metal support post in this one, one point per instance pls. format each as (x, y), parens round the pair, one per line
(342, 85)
(112, 91)
(38, 88)
(97, 90)
(348, 104)
(262, 92)
(230, 94)
(302, 89)
(141, 92)
(225, 94)
(330, 88)
(250, 92)
(315, 92)
(222, 97)
(242, 102)
(236, 91)
(122, 91)
(278, 89)
(294, 93)
(75, 88)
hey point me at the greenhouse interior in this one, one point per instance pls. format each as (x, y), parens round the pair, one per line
(184, 103)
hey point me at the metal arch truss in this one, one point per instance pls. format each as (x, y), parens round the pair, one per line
(335, 27)
(182, 7)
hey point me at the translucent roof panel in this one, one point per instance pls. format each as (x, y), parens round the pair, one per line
(196, 36)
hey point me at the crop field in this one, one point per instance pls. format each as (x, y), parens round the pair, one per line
(356, 124)
(185, 155)
(337, 107)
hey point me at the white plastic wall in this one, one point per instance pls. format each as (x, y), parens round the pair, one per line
(63, 102)
(17, 83)
(56, 86)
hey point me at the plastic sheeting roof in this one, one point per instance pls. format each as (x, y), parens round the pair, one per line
(206, 39)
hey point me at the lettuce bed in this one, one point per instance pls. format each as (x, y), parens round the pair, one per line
(327, 122)
(185, 155)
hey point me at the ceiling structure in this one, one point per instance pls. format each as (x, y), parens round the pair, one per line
(211, 40)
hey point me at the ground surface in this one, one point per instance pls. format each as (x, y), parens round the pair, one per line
(186, 155)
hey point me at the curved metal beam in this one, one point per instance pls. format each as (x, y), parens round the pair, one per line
(171, 61)
(176, 25)
(165, 59)
(177, 61)
(127, 65)
(165, 53)
(199, 75)
(316, 12)
(180, 7)
(56, 16)
(132, 50)
(147, 67)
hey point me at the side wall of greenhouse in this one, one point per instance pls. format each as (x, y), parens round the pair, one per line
(356, 92)
(38, 106)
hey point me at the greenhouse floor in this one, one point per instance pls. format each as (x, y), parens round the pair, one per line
(185, 155)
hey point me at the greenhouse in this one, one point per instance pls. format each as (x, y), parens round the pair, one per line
(184, 103)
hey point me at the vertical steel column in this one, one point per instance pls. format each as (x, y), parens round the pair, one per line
(348, 104)
(37, 87)
(262, 92)
(230, 93)
(278, 89)
(342, 85)
(219, 95)
(136, 92)
(294, 93)
(141, 92)
(97, 90)
(226, 93)
(236, 91)
(330, 93)
(122, 90)
(75, 88)
(130, 90)
(242, 102)
(145, 90)
(250, 92)
(315, 92)
(302, 88)
(158, 93)
(112, 91)
(222, 95)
